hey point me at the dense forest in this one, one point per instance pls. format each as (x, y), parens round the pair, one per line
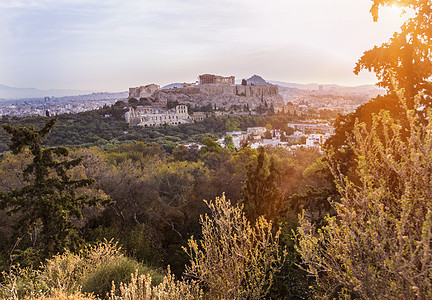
(145, 200)
(107, 128)
(103, 211)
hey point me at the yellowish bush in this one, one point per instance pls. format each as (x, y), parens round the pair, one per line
(64, 272)
(140, 288)
(65, 276)
(234, 260)
(59, 294)
(379, 244)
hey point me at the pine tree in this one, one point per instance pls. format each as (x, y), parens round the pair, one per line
(44, 209)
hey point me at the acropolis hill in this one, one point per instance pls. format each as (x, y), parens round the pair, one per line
(211, 89)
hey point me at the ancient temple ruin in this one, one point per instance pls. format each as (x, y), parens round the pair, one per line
(215, 79)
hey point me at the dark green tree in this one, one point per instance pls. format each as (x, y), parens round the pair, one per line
(119, 103)
(45, 208)
(133, 101)
(261, 194)
(182, 153)
(209, 145)
(228, 141)
(232, 125)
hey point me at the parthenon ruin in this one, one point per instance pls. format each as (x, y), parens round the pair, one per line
(215, 79)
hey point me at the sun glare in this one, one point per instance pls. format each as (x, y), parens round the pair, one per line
(396, 8)
(394, 11)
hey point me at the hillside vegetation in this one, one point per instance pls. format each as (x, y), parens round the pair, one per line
(143, 218)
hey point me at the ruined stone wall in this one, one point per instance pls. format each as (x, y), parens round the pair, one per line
(222, 96)
(134, 92)
(143, 91)
(237, 90)
(257, 90)
(217, 89)
(186, 90)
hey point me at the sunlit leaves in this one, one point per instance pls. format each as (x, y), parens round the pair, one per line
(407, 56)
(378, 244)
(234, 259)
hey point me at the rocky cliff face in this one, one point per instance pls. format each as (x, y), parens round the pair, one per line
(227, 96)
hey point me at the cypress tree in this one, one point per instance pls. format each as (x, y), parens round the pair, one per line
(261, 194)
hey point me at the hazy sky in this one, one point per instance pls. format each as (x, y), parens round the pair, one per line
(111, 45)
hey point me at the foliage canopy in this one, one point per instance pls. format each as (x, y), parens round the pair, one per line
(46, 206)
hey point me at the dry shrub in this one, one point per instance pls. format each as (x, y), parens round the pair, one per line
(58, 294)
(99, 281)
(140, 288)
(379, 244)
(64, 272)
(68, 275)
(234, 260)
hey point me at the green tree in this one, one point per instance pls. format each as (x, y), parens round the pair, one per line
(228, 141)
(289, 130)
(269, 126)
(232, 125)
(209, 145)
(46, 207)
(261, 194)
(182, 152)
(133, 101)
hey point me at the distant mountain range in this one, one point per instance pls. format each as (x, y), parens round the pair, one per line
(255, 80)
(329, 87)
(367, 89)
(8, 92)
(258, 80)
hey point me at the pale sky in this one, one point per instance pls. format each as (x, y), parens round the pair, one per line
(112, 45)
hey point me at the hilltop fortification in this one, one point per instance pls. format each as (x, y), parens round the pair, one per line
(226, 96)
(220, 92)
